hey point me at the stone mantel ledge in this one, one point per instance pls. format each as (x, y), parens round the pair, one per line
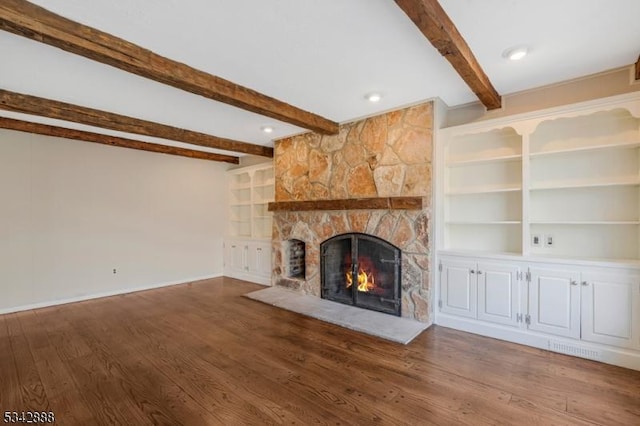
(377, 203)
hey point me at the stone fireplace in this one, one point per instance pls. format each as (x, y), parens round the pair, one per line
(372, 179)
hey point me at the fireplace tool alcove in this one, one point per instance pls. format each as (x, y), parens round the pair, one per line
(361, 270)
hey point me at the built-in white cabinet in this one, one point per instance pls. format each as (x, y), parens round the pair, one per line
(611, 309)
(259, 258)
(498, 293)
(248, 260)
(538, 228)
(458, 288)
(594, 306)
(539, 303)
(487, 291)
(247, 251)
(554, 302)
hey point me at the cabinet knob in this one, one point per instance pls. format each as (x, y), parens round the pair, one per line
(574, 282)
(472, 271)
(479, 272)
(584, 283)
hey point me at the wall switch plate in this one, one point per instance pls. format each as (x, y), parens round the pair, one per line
(548, 240)
(536, 241)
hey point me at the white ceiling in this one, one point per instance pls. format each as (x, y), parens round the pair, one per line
(319, 55)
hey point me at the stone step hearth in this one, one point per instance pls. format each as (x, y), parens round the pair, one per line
(388, 327)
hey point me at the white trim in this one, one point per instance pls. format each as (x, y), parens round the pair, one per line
(603, 263)
(620, 357)
(104, 294)
(563, 111)
(252, 278)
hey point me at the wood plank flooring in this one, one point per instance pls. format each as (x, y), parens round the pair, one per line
(201, 354)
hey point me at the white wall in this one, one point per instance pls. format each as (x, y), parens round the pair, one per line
(71, 212)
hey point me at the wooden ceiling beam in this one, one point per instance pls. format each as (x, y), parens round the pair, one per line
(49, 108)
(436, 25)
(36, 23)
(80, 135)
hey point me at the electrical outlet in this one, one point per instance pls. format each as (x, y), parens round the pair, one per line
(536, 241)
(115, 271)
(548, 240)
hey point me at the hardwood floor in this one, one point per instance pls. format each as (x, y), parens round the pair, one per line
(200, 354)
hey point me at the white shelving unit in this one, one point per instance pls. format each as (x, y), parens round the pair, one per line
(538, 229)
(584, 174)
(250, 191)
(247, 251)
(483, 191)
(571, 174)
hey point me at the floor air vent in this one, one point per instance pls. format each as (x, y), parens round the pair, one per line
(574, 350)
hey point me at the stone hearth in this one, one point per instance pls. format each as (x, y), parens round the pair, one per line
(383, 156)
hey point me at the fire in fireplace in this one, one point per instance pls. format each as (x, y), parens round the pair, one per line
(361, 270)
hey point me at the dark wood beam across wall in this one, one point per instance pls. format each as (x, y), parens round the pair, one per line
(80, 135)
(49, 108)
(36, 23)
(436, 25)
(380, 203)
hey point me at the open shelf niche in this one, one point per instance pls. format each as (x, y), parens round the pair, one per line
(483, 191)
(251, 189)
(585, 185)
(570, 173)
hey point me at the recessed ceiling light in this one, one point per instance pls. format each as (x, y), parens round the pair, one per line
(373, 97)
(515, 53)
(267, 129)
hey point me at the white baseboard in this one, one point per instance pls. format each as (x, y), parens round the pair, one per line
(103, 294)
(627, 358)
(256, 279)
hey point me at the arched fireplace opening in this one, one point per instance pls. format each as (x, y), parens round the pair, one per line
(361, 270)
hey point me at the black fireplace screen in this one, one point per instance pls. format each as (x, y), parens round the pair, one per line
(361, 270)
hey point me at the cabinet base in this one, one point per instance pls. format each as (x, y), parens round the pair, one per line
(256, 279)
(602, 353)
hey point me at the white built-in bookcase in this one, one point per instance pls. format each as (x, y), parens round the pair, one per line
(570, 173)
(250, 191)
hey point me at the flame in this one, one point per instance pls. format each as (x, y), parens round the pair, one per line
(366, 282)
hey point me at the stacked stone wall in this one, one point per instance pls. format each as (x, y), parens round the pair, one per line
(383, 156)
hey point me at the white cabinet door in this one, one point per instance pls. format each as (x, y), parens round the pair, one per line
(498, 293)
(611, 309)
(259, 258)
(458, 288)
(238, 256)
(264, 259)
(554, 302)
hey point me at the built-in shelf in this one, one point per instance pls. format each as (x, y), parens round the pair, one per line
(484, 190)
(609, 146)
(585, 222)
(629, 182)
(263, 185)
(240, 186)
(576, 169)
(250, 190)
(474, 161)
(484, 222)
